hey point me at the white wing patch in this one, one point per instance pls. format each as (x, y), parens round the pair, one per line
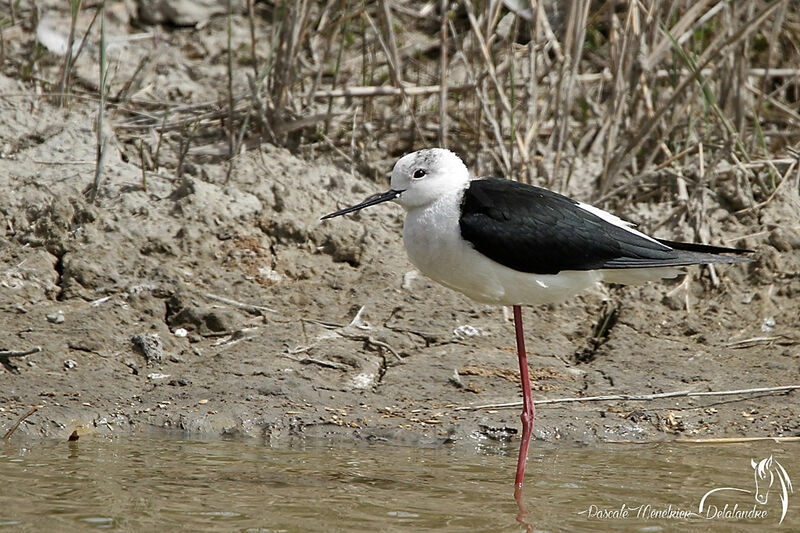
(615, 220)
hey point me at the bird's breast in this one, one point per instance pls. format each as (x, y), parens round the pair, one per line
(432, 238)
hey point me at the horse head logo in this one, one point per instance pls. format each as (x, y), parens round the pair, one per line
(766, 471)
(764, 478)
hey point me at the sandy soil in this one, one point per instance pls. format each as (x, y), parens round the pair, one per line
(215, 309)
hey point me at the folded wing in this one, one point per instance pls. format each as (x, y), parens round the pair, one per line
(534, 230)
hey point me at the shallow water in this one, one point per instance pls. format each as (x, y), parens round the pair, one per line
(158, 484)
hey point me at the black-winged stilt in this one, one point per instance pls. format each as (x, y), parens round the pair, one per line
(503, 242)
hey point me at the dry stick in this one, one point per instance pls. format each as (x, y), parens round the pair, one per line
(353, 156)
(487, 59)
(63, 83)
(327, 140)
(160, 140)
(619, 93)
(773, 41)
(491, 17)
(86, 36)
(122, 94)
(633, 397)
(18, 422)
(773, 101)
(772, 194)
(102, 138)
(258, 105)
(680, 28)
(342, 20)
(299, 41)
(337, 70)
(102, 151)
(417, 90)
(267, 76)
(319, 63)
(252, 25)
(386, 18)
(183, 147)
(713, 440)
(311, 360)
(680, 155)
(732, 440)
(15, 353)
(147, 121)
(529, 140)
(577, 20)
(255, 309)
(384, 90)
(517, 138)
(757, 340)
(239, 140)
(443, 125)
(231, 132)
(371, 340)
(492, 20)
(731, 89)
(143, 165)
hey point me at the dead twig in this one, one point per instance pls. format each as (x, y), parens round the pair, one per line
(747, 343)
(311, 360)
(13, 353)
(250, 308)
(733, 440)
(774, 191)
(632, 397)
(13, 428)
(371, 340)
(443, 119)
(712, 440)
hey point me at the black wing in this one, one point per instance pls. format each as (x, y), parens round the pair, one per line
(538, 231)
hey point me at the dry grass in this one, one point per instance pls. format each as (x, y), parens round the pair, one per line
(617, 99)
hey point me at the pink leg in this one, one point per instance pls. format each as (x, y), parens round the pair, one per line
(528, 410)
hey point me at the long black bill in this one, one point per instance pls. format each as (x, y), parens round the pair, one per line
(372, 200)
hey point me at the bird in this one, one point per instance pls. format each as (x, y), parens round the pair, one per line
(503, 242)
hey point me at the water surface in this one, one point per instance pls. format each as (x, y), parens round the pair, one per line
(161, 484)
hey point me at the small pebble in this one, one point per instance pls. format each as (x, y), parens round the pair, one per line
(56, 318)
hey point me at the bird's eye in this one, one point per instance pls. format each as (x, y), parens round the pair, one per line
(419, 173)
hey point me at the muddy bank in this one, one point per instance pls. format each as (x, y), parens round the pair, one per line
(230, 309)
(195, 300)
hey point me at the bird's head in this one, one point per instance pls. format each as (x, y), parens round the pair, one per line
(418, 179)
(423, 176)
